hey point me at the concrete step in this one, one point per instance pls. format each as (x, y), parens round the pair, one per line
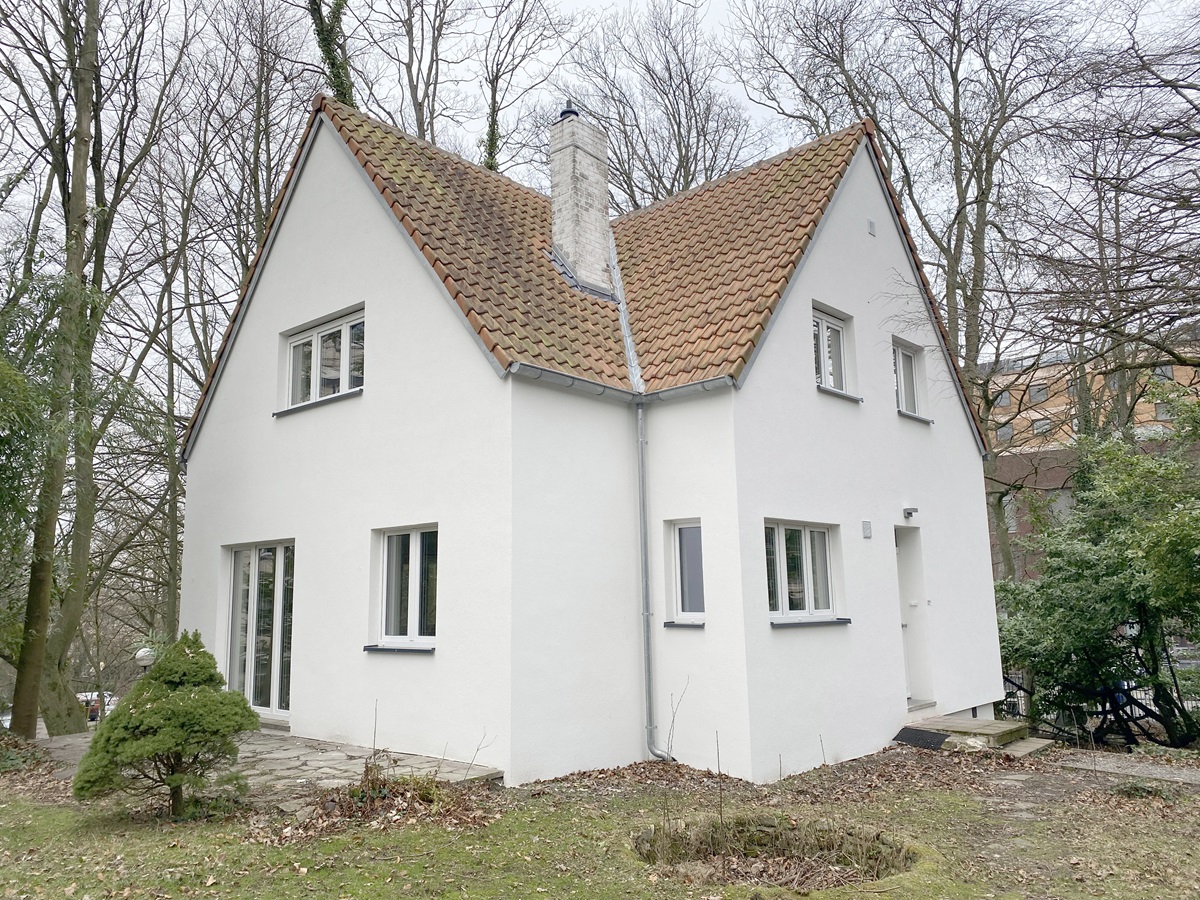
(1025, 747)
(994, 733)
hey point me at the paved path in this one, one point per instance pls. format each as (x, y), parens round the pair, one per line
(280, 766)
(1128, 764)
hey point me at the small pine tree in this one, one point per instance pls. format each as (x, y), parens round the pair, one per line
(172, 729)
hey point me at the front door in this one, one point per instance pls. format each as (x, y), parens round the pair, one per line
(261, 636)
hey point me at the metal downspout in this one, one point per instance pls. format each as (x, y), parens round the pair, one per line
(645, 553)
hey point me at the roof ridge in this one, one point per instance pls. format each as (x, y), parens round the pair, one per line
(865, 125)
(323, 100)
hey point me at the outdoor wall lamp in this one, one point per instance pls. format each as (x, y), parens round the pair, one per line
(910, 511)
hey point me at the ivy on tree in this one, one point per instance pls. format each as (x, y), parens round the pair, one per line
(173, 729)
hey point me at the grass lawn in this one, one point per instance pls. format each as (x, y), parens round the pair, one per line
(979, 826)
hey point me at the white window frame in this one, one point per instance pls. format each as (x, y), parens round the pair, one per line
(312, 336)
(810, 612)
(910, 405)
(680, 616)
(241, 671)
(823, 368)
(1042, 426)
(416, 544)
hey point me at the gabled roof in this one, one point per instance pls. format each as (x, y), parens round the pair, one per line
(703, 271)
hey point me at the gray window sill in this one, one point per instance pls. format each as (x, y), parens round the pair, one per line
(807, 623)
(683, 624)
(332, 398)
(384, 648)
(907, 415)
(834, 392)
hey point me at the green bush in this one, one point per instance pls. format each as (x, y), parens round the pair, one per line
(172, 729)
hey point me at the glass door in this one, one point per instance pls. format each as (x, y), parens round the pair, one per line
(260, 662)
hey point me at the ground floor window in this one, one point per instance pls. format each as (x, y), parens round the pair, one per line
(798, 570)
(260, 664)
(689, 572)
(410, 586)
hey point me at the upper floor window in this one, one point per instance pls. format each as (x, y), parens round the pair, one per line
(1003, 399)
(1164, 373)
(326, 360)
(904, 364)
(829, 351)
(798, 570)
(1039, 393)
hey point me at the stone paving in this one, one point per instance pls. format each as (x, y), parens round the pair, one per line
(279, 766)
(1129, 765)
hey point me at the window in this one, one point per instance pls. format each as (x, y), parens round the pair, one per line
(1003, 399)
(410, 586)
(829, 351)
(1004, 432)
(689, 573)
(904, 366)
(1041, 426)
(1162, 412)
(1164, 373)
(798, 573)
(327, 360)
(1039, 393)
(260, 664)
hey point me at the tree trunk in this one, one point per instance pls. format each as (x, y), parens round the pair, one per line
(41, 576)
(61, 710)
(176, 801)
(66, 360)
(171, 613)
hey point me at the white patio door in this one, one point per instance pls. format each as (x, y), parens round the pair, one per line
(260, 662)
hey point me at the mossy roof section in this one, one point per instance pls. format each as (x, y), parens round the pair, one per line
(488, 239)
(704, 270)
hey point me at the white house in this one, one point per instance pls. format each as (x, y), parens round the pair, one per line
(480, 474)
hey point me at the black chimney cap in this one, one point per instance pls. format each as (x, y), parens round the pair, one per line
(568, 111)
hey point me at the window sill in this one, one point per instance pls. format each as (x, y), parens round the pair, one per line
(683, 624)
(332, 398)
(806, 623)
(834, 392)
(397, 648)
(905, 414)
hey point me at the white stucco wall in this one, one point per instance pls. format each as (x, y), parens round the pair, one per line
(428, 441)
(538, 662)
(700, 673)
(576, 622)
(823, 694)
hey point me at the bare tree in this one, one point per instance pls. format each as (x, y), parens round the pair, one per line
(90, 91)
(421, 46)
(524, 43)
(652, 78)
(1125, 271)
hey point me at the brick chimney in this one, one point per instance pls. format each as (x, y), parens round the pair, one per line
(579, 197)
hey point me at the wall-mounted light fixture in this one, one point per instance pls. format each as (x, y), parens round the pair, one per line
(910, 511)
